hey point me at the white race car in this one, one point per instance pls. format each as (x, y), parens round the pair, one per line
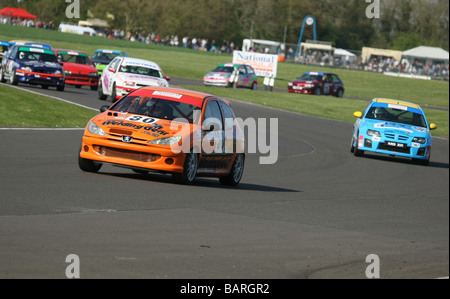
(125, 74)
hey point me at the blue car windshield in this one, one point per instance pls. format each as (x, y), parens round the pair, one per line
(397, 115)
(36, 56)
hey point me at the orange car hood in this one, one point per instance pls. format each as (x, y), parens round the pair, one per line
(141, 127)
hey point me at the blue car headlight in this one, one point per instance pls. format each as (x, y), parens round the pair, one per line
(26, 68)
(373, 133)
(420, 140)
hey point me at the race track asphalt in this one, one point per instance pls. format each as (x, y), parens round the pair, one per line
(318, 212)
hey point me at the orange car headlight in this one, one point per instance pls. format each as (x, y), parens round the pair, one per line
(94, 129)
(166, 140)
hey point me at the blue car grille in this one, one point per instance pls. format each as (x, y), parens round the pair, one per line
(384, 146)
(44, 71)
(399, 137)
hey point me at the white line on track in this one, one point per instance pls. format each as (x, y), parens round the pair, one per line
(55, 98)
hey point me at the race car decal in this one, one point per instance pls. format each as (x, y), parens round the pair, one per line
(135, 76)
(361, 141)
(150, 133)
(105, 81)
(420, 129)
(394, 126)
(152, 127)
(133, 63)
(143, 119)
(167, 94)
(398, 107)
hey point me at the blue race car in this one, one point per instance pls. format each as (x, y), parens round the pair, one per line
(394, 128)
(32, 65)
(30, 43)
(4, 46)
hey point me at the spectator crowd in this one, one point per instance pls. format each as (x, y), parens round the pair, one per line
(314, 57)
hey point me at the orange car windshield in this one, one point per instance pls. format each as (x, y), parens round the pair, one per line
(157, 107)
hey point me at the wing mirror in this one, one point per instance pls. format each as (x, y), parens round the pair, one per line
(358, 114)
(104, 108)
(433, 126)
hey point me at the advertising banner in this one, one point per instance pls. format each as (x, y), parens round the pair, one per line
(264, 64)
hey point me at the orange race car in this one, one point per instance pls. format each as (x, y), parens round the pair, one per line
(167, 130)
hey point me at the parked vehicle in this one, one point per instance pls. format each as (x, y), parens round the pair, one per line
(69, 28)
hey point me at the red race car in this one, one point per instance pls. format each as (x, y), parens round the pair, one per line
(318, 83)
(78, 68)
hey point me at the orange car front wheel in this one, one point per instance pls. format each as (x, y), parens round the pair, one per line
(88, 165)
(189, 170)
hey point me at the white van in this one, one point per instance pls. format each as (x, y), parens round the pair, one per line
(69, 28)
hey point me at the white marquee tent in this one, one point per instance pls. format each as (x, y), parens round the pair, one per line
(427, 53)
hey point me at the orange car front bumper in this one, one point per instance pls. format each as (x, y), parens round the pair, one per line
(156, 158)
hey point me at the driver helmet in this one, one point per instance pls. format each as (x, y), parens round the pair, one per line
(21, 55)
(379, 112)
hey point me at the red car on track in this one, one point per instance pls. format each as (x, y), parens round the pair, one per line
(78, 68)
(318, 83)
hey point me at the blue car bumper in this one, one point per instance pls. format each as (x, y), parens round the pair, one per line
(41, 79)
(401, 148)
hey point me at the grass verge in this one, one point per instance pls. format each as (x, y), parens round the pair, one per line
(24, 109)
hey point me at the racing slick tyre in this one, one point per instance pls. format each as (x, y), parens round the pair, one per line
(101, 95)
(255, 86)
(88, 165)
(235, 175)
(354, 149)
(60, 87)
(113, 93)
(340, 93)
(2, 76)
(13, 79)
(187, 177)
(94, 87)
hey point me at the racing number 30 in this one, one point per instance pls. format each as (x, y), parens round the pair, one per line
(147, 120)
